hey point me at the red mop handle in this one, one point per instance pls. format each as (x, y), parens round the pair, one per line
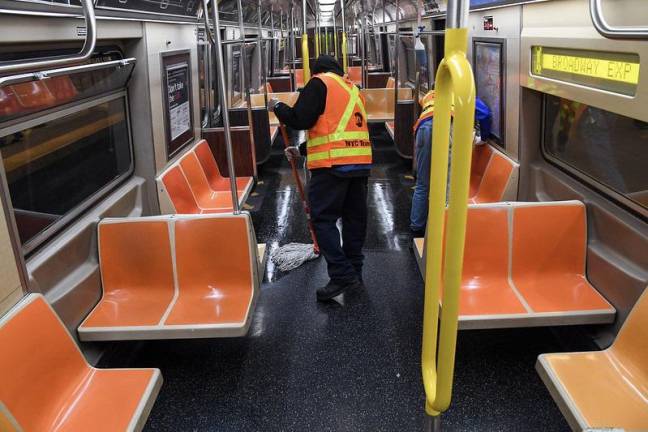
(300, 188)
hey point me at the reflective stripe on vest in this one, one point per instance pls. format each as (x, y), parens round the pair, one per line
(340, 146)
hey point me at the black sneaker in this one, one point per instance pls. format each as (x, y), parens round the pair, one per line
(334, 289)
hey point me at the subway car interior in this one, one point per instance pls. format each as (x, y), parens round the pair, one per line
(145, 191)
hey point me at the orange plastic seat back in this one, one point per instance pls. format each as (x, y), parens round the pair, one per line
(486, 246)
(631, 344)
(214, 262)
(480, 158)
(179, 192)
(269, 88)
(40, 365)
(136, 264)
(209, 165)
(549, 240)
(355, 74)
(494, 181)
(195, 175)
(391, 83)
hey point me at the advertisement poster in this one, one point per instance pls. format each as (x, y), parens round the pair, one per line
(489, 77)
(178, 99)
(177, 92)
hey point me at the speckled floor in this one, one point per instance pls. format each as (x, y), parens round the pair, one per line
(352, 365)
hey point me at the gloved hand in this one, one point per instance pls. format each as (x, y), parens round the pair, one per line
(272, 103)
(292, 153)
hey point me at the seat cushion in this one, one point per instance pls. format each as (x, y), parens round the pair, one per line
(596, 385)
(112, 400)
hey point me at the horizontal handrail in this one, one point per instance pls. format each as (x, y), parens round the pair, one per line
(37, 76)
(85, 53)
(611, 32)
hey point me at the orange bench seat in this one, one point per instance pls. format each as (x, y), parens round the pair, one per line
(194, 185)
(604, 389)
(46, 383)
(166, 277)
(524, 265)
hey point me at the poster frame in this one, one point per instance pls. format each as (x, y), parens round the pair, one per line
(500, 141)
(169, 59)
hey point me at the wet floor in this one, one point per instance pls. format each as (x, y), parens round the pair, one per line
(351, 365)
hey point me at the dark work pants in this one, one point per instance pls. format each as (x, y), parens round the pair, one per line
(331, 198)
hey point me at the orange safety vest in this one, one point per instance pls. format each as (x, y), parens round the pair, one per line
(428, 109)
(341, 134)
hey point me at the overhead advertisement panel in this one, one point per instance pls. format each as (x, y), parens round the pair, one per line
(614, 72)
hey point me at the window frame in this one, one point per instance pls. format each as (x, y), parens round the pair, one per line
(52, 114)
(601, 188)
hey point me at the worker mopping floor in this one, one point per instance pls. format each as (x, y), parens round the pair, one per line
(292, 255)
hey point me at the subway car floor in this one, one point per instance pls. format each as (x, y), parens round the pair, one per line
(349, 365)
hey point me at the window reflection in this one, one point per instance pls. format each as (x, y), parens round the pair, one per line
(609, 148)
(56, 166)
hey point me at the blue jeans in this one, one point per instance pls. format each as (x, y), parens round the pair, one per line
(419, 213)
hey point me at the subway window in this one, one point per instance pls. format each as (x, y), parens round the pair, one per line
(65, 142)
(56, 165)
(604, 149)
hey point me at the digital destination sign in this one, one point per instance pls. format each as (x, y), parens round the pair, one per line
(615, 72)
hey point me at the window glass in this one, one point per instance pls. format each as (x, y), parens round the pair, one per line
(25, 98)
(55, 166)
(609, 149)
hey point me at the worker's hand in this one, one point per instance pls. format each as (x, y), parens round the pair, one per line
(272, 103)
(292, 153)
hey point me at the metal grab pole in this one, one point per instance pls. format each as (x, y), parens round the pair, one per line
(444, 246)
(208, 44)
(293, 47)
(305, 54)
(397, 42)
(345, 60)
(335, 38)
(262, 65)
(246, 87)
(222, 94)
(363, 49)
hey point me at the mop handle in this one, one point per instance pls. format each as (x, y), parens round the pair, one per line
(300, 188)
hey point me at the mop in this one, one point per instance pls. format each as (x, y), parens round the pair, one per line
(292, 255)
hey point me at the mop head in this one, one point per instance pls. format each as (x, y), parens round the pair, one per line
(292, 255)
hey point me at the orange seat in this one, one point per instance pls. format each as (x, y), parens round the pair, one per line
(354, 73)
(179, 192)
(494, 181)
(216, 181)
(193, 184)
(33, 95)
(391, 83)
(548, 266)
(485, 289)
(47, 385)
(216, 285)
(136, 273)
(605, 389)
(480, 157)
(269, 88)
(165, 277)
(205, 196)
(513, 275)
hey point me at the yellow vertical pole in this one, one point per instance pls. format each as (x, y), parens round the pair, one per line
(306, 58)
(345, 60)
(454, 80)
